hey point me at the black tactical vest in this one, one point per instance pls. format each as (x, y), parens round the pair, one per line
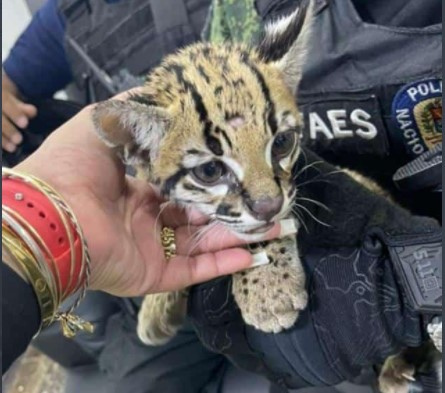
(371, 92)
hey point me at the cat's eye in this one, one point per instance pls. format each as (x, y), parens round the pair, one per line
(283, 144)
(209, 173)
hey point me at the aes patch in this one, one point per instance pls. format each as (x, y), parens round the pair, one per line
(344, 122)
(417, 114)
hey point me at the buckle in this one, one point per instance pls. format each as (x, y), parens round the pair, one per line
(425, 172)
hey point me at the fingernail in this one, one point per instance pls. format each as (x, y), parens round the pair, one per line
(260, 259)
(17, 138)
(288, 227)
(22, 121)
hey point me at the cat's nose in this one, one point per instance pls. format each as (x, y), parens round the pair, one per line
(265, 208)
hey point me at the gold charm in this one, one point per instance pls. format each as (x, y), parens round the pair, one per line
(72, 324)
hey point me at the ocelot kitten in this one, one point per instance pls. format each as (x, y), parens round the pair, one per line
(217, 127)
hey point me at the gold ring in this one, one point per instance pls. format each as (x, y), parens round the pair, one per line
(168, 241)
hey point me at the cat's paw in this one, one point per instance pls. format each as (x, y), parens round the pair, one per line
(396, 375)
(270, 299)
(160, 317)
(153, 334)
(277, 315)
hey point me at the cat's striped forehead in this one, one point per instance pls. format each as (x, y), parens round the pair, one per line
(224, 98)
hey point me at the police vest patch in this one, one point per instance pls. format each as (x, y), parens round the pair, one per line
(417, 114)
(344, 122)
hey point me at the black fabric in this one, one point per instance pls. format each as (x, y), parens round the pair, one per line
(400, 13)
(20, 316)
(358, 313)
(353, 54)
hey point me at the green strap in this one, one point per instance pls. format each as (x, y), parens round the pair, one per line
(233, 21)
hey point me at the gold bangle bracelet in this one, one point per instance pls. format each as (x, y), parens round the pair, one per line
(26, 241)
(35, 260)
(62, 208)
(40, 243)
(28, 266)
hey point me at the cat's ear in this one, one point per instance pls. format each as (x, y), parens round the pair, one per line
(286, 40)
(133, 128)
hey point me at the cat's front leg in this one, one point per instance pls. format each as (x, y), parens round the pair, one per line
(161, 316)
(270, 297)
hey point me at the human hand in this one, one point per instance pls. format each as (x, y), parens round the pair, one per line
(121, 218)
(15, 115)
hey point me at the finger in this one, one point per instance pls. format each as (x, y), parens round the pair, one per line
(181, 272)
(10, 133)
(176, 216)
(7, 145)
(18, 112)
(29, 110)
(216, 238)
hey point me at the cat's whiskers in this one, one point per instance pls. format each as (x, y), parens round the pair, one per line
(199, 236)
(306, 167)
(161, 210)
(322, 205)
(316, 179)
(188, 210)
(290, 210)
(310, 214)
